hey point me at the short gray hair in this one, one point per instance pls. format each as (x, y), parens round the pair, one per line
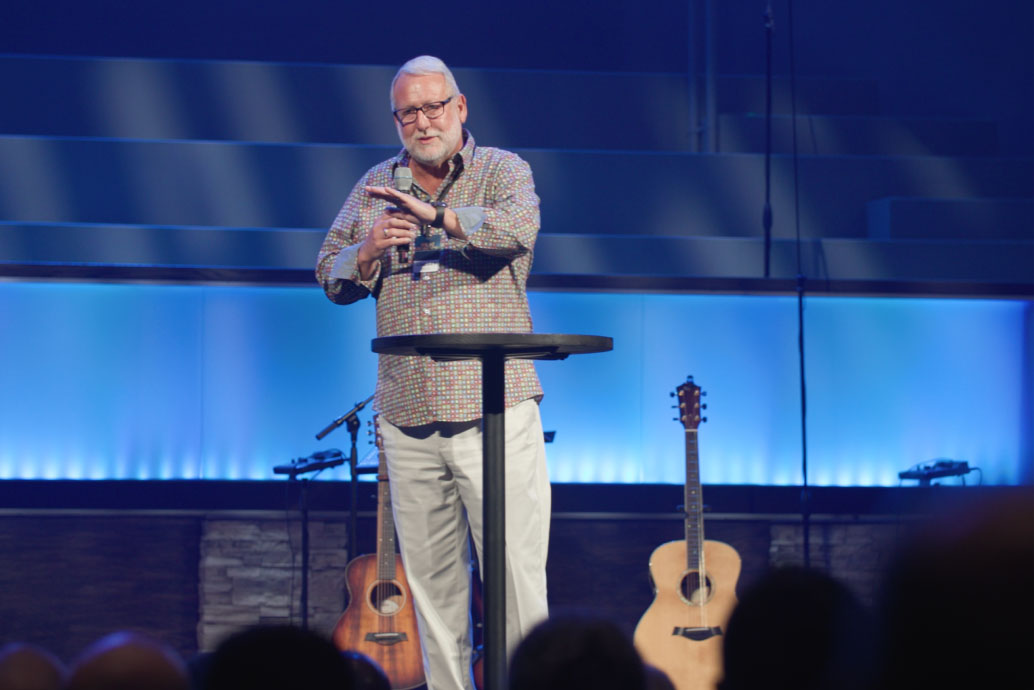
(421, 66)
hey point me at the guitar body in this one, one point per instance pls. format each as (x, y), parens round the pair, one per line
(380, 622)
(681, 611)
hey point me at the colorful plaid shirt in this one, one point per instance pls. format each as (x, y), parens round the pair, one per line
(479, 288)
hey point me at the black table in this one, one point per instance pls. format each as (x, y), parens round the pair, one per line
(493, 349)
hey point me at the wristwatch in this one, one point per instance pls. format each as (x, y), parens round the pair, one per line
(439, 214)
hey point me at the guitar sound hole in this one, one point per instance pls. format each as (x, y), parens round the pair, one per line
(694, 589)
(387, 598)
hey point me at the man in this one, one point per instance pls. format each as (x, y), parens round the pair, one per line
(453, 255)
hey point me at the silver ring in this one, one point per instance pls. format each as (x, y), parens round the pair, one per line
(386, 233)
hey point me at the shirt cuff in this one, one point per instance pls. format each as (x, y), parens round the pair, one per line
(470, 218)
(346, 267)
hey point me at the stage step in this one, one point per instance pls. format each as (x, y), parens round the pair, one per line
(286, 255)
(850, 135)
(348, 104)
(233, 184)
(745, 93)
(1010, 220)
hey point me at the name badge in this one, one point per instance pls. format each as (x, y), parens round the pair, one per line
(427, 251)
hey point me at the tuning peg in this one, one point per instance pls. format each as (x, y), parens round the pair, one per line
(703, 392)
(704, 406)
(703, 419)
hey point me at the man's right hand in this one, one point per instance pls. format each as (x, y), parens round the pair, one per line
(391, 229)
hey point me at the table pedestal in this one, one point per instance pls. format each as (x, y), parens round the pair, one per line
(493, 349)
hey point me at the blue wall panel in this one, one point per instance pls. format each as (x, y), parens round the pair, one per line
(217, 382)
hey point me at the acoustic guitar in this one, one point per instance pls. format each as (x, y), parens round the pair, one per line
(694, 582)
(380, 620)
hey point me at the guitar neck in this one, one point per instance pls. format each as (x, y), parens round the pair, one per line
(385, 523)
(694, 504)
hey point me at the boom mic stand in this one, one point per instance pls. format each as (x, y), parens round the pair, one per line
(352, 419)
(805, 489)
(766, 220)
(805, 498)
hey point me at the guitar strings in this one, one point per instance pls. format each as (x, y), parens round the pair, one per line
(700, 596)
(385, 622)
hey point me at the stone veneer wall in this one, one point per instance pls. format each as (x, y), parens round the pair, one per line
(190, 578)
(250, 573)
(250, 566)
(856, 553)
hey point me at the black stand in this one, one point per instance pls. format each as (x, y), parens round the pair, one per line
(492, 350)
(303, 501)
(766, 219)
(805, 490)
(313, 463)
(352, 419)
(805, 500)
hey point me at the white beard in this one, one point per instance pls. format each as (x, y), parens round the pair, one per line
(439, 152)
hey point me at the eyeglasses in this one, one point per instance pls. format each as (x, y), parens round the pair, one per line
(407, 116)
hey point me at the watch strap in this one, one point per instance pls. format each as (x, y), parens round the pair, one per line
(439, 215)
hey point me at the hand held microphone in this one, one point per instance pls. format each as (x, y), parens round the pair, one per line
(403, 183)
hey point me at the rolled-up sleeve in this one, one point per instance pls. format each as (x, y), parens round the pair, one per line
(509, 223)
(337, 266)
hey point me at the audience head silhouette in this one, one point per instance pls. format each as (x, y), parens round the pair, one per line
(26, 667)
(957, 601)
(127, 661)
(797, 629)
(656, 679)
(366, 674)
(277, 658)
(576, 654)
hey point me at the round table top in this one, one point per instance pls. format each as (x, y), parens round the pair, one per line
(478, 345)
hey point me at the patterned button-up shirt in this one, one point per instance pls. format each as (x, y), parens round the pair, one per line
(479, 287)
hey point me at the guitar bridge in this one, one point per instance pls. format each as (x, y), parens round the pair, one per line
(386, 638)
(697, 634)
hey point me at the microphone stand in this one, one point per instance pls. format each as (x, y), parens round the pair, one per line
(766, 221)
(352, 419)
(303, 505)
(805, 489)
(805, 498)
(343, 418)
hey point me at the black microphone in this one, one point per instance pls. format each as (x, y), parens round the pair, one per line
(403, 183)
(346, 417)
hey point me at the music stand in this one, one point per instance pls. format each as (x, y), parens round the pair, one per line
(492, 350)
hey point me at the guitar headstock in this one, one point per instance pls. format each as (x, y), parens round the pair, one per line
(378, 440)
(689, 406)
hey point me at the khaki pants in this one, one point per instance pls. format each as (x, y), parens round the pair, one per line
(436, 491)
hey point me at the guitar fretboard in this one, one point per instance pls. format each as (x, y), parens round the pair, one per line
(694, 504)
(385, 524)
